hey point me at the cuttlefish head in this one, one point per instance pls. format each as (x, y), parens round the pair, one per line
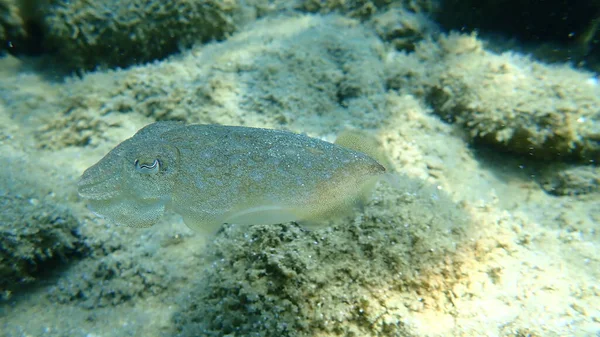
(133, 183)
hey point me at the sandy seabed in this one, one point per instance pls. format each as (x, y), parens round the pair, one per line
(473, 245)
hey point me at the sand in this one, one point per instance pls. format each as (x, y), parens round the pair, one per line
(469, 244)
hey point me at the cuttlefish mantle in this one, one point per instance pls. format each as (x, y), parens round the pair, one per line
(214, 174)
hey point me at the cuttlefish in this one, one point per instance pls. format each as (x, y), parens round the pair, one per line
(215, 174)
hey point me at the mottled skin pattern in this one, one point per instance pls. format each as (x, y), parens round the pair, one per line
(213, 174)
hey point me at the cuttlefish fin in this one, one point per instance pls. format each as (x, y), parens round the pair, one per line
(261, 214)
(365, 142)
(204, 225)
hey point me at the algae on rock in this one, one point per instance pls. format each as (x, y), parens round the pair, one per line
(109, 33)
(506, 100)
(357, 277)
(35, 237)
(277, 73)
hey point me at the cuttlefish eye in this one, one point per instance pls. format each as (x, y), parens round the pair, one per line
(146, 168)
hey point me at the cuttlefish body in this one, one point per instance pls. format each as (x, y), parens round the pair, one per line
(214, 174)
